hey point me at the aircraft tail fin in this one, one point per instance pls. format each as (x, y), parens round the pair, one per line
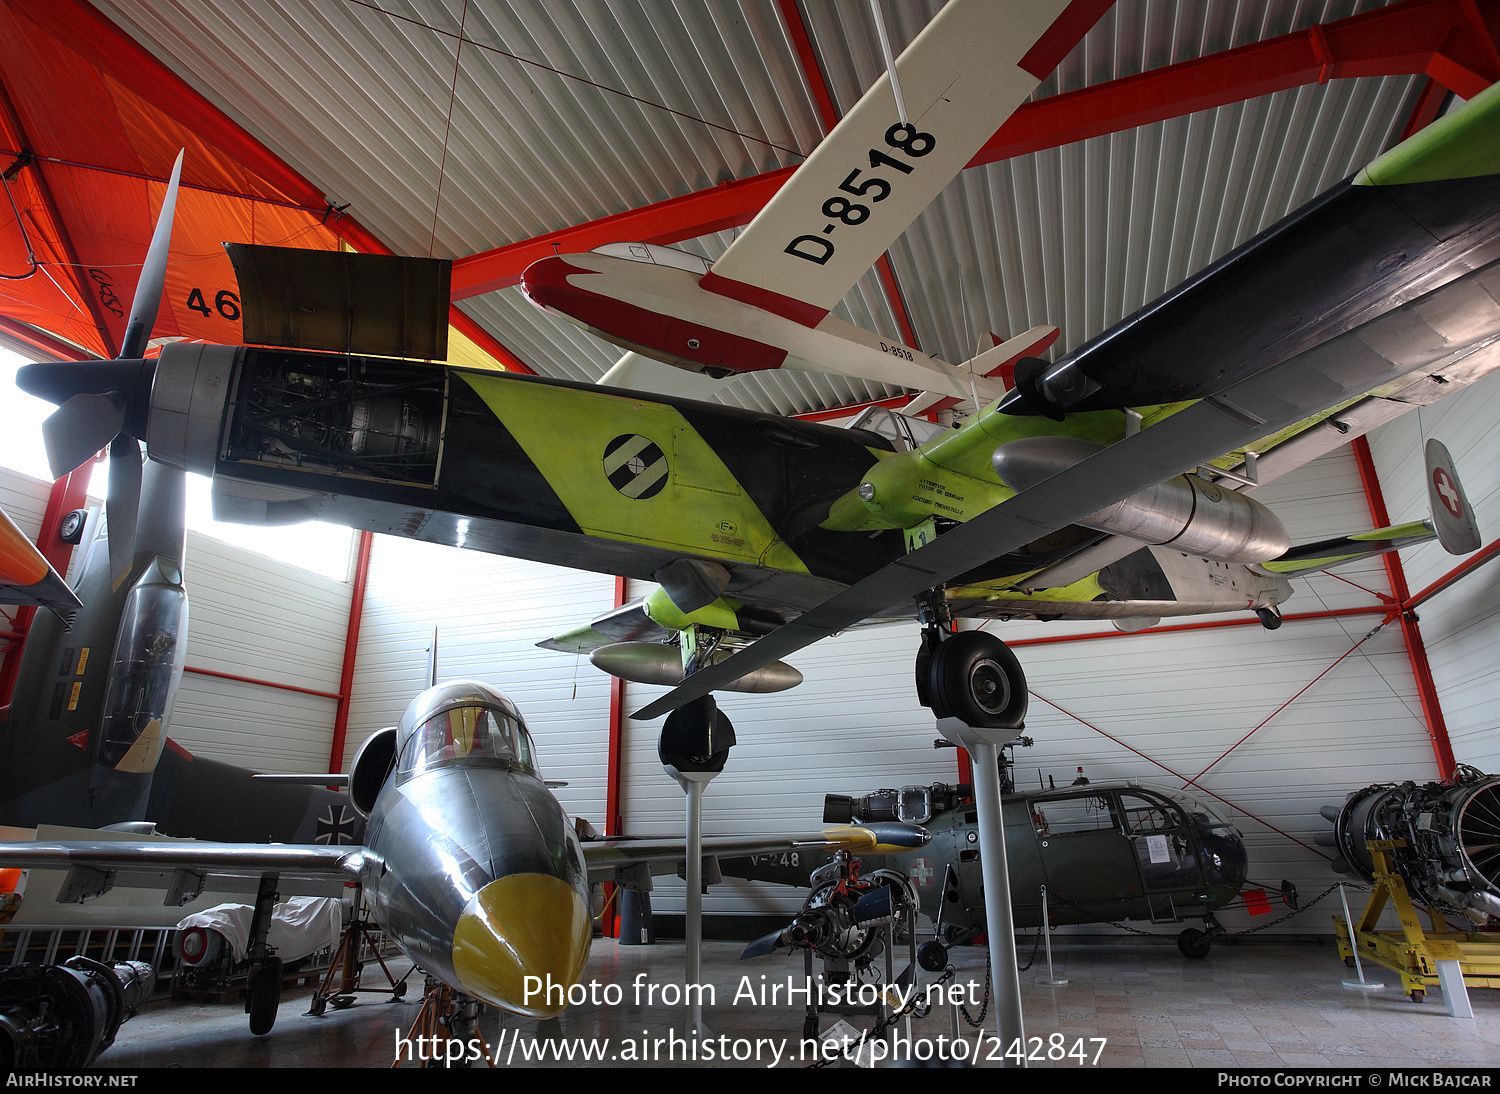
(1457, 530)
(1452, 524)
(997, 363)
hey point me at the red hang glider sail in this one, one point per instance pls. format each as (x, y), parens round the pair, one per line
(85, 157)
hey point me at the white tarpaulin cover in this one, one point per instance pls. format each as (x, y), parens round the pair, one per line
(300, 926)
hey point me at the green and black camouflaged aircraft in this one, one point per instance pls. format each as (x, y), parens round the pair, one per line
(1106, 485)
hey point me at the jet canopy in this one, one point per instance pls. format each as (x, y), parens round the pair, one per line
(462, 722)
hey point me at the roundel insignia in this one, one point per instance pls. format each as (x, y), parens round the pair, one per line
(635, 466)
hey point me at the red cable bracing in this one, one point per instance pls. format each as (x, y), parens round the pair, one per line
(1175, 775)
(1194, 781)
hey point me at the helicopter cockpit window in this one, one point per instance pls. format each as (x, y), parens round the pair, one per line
(468, 734)
(1093, 813)
(1146, 815)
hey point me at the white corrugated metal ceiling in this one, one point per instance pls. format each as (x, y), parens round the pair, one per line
(456, 126)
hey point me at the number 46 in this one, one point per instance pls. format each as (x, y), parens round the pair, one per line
(226, 302)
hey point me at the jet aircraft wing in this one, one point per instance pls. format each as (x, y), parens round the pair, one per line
(605, 856)
(184, 868)
(96, 866)
(1455, 326)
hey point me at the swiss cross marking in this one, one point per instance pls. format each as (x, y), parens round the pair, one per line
(1443, 483)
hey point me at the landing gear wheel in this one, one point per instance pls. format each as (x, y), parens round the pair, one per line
(932, 956)
(343, 1002)
(1193, 943)
(975, 678)
(810, 1027)
(319, 1006)
(265, 997)
(1270, 618)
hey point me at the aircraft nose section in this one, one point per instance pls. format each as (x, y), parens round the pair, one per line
(545, 282)
(519, 927)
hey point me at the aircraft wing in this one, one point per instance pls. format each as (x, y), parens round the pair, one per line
(605, 856)
(26, 577)
(962, 76)
(1455, 327)
(184, 868)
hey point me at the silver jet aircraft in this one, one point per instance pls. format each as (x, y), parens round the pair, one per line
(469, 863)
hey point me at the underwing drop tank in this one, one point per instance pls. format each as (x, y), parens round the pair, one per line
(654, 663)
(1451, 829)
(1186, 513)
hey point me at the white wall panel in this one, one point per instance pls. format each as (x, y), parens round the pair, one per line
(252, 616)
(490, 613)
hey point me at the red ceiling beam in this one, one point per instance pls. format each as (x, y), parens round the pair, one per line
(1463, 569)
(351, 652)
(1432, 37)
(1435, 37)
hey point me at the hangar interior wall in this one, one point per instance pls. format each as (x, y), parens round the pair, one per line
(489, 613)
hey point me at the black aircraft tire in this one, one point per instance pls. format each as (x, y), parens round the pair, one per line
(932, 956)
(1194, 944)
(975, 678)
(265, 997)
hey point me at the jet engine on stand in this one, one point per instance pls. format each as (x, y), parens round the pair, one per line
(1451, 829)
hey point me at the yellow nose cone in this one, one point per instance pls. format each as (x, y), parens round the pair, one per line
(517, 937)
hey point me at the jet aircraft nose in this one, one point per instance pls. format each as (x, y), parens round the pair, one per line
(519, 927)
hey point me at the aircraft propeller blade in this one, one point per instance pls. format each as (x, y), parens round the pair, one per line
(149, 287)
(83, 425)
(124, 502)
(767, 943)
(106, 402)
(876, 904)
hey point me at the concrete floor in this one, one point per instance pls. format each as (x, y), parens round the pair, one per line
(1130, 1002)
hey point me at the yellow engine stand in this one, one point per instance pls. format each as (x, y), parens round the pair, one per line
(1411, 952)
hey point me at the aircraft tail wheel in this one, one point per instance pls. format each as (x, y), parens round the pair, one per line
(975, 678)
(265, 997)
(932, 956)
(1193, 943)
